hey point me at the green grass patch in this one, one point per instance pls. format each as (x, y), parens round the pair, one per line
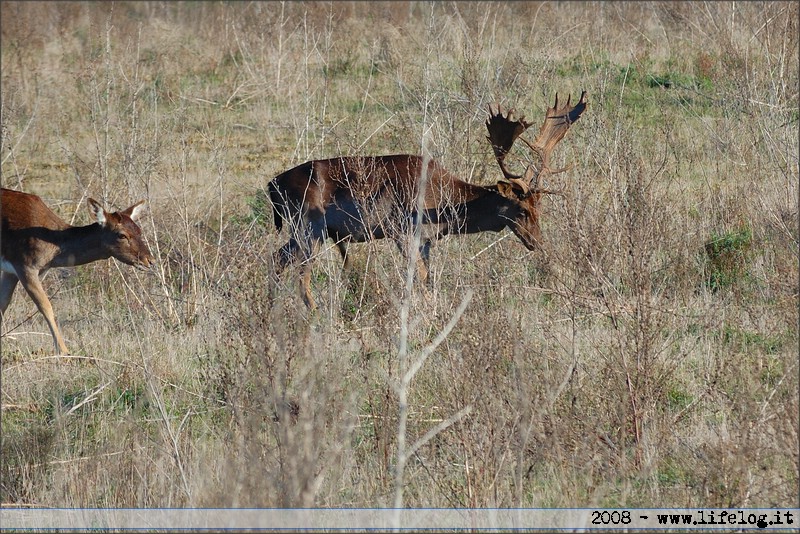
(727, 255)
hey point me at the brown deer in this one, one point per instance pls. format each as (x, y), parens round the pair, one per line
(34, 239)
(355, 199)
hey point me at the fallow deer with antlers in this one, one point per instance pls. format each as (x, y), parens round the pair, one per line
(355, 199)
(34, 239)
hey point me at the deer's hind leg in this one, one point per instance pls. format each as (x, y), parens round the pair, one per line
(301, 247)
(295, 253)
(288, 254)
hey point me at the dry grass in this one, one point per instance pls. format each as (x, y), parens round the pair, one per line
(646, 357)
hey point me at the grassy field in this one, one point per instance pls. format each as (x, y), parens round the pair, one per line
(646, 357)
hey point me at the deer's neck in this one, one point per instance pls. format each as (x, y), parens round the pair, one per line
(481, 209)
(78, 245)
(492, 211)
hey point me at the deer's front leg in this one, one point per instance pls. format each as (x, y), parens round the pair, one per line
(30, 281)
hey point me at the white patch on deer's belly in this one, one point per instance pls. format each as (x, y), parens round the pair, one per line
(6, 267)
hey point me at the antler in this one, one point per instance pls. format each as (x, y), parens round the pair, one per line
(503, 131)
(555, 126)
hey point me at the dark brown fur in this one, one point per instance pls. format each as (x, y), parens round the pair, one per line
(361, 198)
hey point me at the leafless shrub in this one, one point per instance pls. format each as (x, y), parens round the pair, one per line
(601, 371)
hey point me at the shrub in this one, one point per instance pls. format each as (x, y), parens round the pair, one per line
(727, 256)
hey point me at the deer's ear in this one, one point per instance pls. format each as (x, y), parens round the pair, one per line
(511, 191)
(98, 212)
(506, 189)
(135, 211)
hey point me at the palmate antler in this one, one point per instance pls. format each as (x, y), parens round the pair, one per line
(504, 130)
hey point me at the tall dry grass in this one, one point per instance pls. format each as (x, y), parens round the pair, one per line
(647, 356)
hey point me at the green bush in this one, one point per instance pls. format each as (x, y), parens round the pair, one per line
(727, 256)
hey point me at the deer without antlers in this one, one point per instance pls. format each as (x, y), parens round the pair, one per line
(355, 199)
(34, 239)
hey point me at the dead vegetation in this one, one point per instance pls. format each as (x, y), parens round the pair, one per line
(647, 357)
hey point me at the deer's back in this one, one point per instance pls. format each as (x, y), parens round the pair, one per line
(317, 184)
(22, 210)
